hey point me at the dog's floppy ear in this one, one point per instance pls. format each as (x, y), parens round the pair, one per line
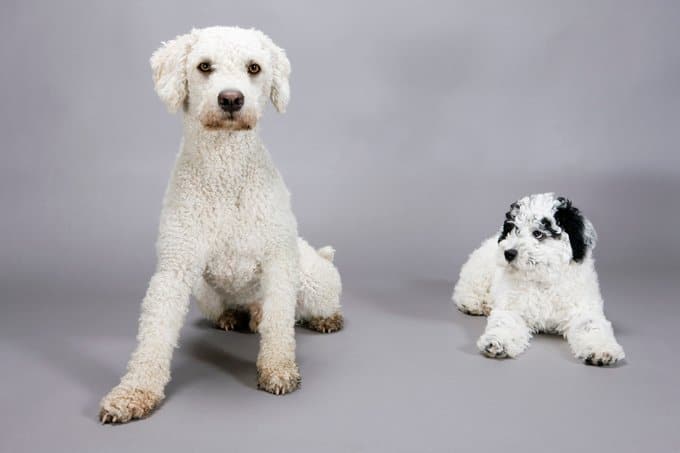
(508, 224)
(582, 235)
(169, 71)
(280, 89)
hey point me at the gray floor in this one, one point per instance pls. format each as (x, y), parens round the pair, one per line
(412, 127)
(403, 376)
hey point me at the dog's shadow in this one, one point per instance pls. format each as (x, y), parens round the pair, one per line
(472, 326)
(222, 350)
(76, 359)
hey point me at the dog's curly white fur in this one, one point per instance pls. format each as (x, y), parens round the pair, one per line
(227, 231)
(538, 275)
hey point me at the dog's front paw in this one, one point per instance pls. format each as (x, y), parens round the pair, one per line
(123, 404)
(492, 346)
(279, 379)
(605, 357)
(474, 308)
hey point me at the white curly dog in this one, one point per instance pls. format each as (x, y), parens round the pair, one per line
(538, 275)
(227, 232)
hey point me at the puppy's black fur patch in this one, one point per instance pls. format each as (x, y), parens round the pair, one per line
(508, 225)
(570, 219)
(548, 227)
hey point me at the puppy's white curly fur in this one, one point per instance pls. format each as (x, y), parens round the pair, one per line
(227, 232)
(538, 275)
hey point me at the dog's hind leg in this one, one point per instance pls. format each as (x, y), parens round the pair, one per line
(218, 309)
(472, 292)
(318, 301)
(209, 301)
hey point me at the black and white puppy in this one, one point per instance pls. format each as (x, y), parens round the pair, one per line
(538, 275)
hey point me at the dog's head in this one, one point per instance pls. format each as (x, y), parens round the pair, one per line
(542, 233)
(222, 76)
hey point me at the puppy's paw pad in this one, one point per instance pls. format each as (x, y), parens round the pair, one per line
(279, 379)
(125, 404)
(328, 324)
(603, 358)
(492, 347)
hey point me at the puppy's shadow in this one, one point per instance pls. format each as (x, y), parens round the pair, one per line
(472, 326)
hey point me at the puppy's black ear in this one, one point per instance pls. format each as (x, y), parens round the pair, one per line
(509, 224)
(582, 236)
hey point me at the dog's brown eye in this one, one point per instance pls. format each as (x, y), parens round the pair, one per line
(538, 234)
(254, 68)
(205, 67)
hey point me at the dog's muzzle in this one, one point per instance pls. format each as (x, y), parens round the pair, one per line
(230, 100)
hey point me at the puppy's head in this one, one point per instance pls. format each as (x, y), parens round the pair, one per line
(543, 233)
(222, 76)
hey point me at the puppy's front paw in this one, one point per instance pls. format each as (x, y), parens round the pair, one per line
(123, 404)
(474, 308)
(605, 357)
(492, 346)
(279, 379)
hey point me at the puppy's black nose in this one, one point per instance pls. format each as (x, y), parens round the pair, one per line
(230, 100)
(510, 254)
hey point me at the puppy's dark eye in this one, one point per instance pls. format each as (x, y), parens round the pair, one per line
(538, 234)
(254, 68)
(205, 67)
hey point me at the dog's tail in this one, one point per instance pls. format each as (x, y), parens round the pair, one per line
(327, 253)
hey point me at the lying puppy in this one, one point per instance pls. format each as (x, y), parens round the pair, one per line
(227, 231)
(538, 275)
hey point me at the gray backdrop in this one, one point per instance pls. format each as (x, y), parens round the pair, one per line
(412, 126)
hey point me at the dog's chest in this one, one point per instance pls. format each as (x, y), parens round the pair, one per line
(236, 255)
(541, 305)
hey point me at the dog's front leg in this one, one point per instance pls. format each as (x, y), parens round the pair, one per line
(163, 311)
(506, 335)
(276, 368)
(592, 340)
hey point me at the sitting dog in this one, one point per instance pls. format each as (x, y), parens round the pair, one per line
(227, 232)
(538, 275)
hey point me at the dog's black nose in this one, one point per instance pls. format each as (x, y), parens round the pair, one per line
(510, 254)
(230, 100)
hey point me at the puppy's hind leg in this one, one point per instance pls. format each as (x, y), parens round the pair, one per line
(318, 300)
(472, 292)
